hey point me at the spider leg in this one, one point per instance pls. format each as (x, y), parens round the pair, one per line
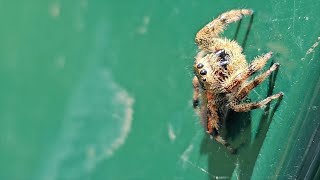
(206, 35)
(212, 114)
(257, 64)
(213, 124)
(220, 140)
(245, 107)
(196, 92)
(244, 91)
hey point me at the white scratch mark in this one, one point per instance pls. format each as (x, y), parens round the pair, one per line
(310, 50)
(279, 117)
(205, 171)
(143, 29)
(283, 19)
(185, 155)
(60, 61)
(314, 108)
(236, 171)
(122, 97)
(185, 158)
(171, 134)
(259, 96)
(97, 123)
(237, 176)
(91, 152)
(294, 16)
(54, 10)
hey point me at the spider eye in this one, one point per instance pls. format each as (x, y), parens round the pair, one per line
(203, 72)
(223, 62)
(221, 53)
(200, 65)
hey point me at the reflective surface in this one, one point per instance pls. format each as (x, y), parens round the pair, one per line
(102, 90)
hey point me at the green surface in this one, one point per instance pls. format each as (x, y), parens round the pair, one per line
(102, 90)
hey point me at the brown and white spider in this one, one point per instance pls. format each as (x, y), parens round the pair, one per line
(222, 73)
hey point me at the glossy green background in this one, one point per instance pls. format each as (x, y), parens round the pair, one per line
(102, 90)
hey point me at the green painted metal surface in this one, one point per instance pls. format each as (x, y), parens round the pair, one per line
(102, 90)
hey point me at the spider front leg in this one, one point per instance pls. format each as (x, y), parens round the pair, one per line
(205, 37)
(257, 64)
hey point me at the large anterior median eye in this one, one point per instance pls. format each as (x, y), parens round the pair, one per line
(224, 58)
(203, 72)
(223, 62)
(200, 65)
(220, 53)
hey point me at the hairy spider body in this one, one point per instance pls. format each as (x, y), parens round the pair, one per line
(222, 73)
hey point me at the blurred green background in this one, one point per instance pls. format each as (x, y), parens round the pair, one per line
(102, 90)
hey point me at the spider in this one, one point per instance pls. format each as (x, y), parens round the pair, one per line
(222, 75)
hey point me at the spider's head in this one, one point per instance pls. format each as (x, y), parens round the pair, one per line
(210, 68)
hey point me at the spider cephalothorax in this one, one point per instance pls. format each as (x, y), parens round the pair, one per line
(222, 74)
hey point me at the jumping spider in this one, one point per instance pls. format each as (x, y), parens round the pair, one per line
(222, 73)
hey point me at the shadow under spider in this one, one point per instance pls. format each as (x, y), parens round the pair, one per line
(249, 159)
(220, 160)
